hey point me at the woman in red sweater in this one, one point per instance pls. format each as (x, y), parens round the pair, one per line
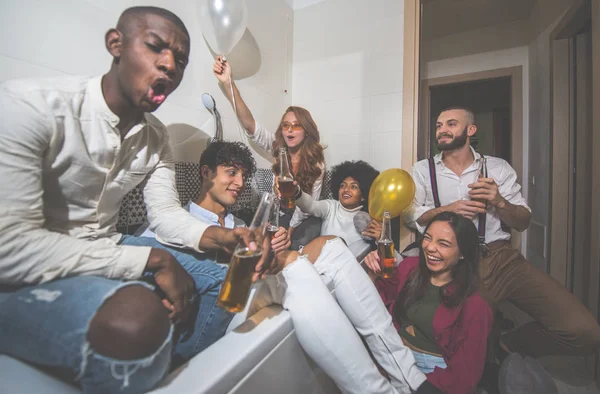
(435, 305)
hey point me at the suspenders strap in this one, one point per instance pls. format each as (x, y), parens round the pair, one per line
(482, 217)
(436, 196)
(433, 179)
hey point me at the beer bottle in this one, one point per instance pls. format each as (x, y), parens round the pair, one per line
(481, 173)
(385, 247)
(286, 181)
(235, 290)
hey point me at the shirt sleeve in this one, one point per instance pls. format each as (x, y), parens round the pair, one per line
(168, 220)
(509, 188)
(309, 205)
(32, 254)
(299, 216)
(262, 137)
(419, 205)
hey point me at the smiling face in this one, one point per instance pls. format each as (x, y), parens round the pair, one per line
(349, 193)
(293, 133)
(150, 55)
(225, 185)
(453, 129)
(440, 247)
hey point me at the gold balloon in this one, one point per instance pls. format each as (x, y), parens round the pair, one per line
(393, 190)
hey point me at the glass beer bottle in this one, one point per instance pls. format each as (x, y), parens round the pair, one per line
(286, 181)
(238, 281)
(385, 247)
(481, 173)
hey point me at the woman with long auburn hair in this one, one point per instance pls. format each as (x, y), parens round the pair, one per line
(297, 131)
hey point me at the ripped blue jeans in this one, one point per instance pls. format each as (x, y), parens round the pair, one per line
(47, 324)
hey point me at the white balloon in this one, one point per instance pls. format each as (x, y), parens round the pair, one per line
(223, 23)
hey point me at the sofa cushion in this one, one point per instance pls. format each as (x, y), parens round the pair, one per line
(189, 182)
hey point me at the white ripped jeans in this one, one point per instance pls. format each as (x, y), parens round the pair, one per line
(327, 329)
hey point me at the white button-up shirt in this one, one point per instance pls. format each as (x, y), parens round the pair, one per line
(452, 187)
(64, 172)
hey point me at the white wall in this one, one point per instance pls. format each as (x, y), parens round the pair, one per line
(348, 73)
(40, 38)
(490, 61)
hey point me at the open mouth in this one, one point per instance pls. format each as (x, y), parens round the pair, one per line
(346, 195)
(158, 92)
(235, 193)
(433, 260)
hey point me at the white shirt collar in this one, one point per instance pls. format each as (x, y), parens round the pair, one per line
(438, 158)
(101, 108)
(209, 217)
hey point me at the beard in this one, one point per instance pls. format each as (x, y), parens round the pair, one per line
(457, 142)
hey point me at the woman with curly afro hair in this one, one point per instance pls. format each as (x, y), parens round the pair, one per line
(350, 184)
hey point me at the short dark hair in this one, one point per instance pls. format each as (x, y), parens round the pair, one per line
(228, 153)
(470, 113)
(137, 12)
(361, 171)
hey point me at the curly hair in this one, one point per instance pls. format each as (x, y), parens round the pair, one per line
(228, 153)
(361, 171)
(311, 151)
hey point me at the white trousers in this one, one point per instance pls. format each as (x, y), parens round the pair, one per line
(327, 330)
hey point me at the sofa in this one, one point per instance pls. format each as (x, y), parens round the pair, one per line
(259, 354)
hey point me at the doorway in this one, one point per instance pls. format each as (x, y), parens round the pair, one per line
(490, 102)
(495, 97)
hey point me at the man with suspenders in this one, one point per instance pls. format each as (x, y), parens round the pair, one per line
(485, 189)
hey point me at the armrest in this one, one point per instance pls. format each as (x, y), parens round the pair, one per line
(360, 249)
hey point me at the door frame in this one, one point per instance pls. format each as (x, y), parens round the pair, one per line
(410, 97)
(516, 108)
(562, 121)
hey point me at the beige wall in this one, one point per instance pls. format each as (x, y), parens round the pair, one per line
(488, 39)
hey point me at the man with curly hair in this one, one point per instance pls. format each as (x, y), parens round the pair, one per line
(352, 180)
(224, 167)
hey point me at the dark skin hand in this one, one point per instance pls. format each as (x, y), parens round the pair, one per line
(174, 281)
(373, 230)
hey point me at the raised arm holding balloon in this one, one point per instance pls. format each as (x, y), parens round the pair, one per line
(297, 132)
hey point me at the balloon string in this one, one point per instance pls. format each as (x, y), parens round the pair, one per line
(240, 129)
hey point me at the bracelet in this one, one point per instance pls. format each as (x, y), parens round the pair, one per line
(298, 193)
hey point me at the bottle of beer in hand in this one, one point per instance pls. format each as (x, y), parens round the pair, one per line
(286, 181)
(481, 173)
(235, 290)
(385, 247)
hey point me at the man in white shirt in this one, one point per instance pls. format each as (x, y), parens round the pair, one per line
(486, 191)
(71, 149)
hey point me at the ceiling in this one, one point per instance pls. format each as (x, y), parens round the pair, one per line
(446, 17)
(298, 4)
